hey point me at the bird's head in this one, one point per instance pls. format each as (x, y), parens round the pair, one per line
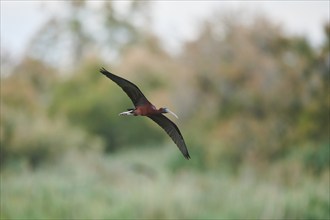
(166, 110)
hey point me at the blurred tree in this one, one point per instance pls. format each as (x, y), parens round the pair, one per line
(258, 85)
(64, 41)
(72, 37)
(246, 91)
(27, 134)
(28, 86)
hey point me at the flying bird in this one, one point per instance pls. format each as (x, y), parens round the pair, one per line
(144, 108)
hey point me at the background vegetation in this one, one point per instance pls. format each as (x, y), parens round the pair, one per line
(253, 104)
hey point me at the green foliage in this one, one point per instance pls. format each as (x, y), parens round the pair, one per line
(317, 158)
(90, 186)
(37, 139)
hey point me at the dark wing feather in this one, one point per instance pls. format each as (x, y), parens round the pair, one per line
(173, 131)
(133, 92)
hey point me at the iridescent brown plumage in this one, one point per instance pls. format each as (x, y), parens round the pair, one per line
(144, 108)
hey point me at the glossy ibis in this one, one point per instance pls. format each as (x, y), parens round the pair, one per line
(144, 108)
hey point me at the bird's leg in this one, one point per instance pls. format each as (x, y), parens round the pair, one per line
(130, 112)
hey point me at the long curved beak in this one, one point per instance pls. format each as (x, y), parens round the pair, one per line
(169, 111)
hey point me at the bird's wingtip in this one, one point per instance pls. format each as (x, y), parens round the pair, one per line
(102, 70)
(187, 156)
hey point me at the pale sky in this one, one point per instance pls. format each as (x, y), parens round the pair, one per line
(173, 21)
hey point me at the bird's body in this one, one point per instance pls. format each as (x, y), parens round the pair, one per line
(144, 108)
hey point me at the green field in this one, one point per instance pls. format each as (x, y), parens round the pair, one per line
(143, 184)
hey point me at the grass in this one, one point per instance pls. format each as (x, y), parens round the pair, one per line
(141, 184)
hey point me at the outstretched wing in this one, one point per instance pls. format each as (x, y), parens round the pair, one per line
(133, 92)
(173, 131)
